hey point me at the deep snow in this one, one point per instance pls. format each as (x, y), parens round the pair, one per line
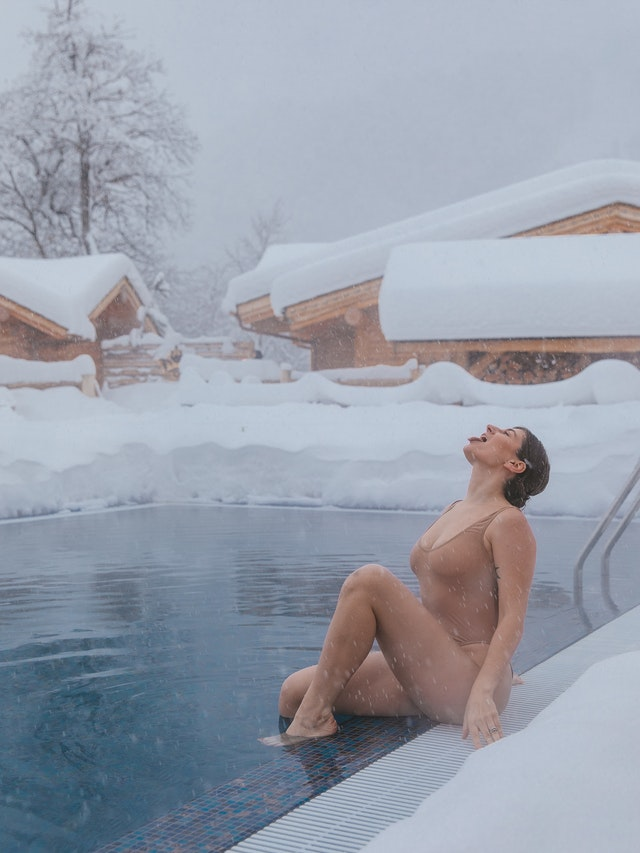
(308, 442)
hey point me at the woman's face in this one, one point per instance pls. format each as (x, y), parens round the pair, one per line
(495, 446)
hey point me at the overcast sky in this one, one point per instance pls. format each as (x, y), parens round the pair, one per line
(357, 113)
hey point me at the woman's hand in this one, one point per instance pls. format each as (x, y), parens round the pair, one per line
(481, 719)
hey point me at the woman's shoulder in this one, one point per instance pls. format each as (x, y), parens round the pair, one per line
(510, 521)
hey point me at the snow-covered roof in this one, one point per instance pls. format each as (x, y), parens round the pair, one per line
(277, 258)
(518, 207)
(67, 290)
(573, 286)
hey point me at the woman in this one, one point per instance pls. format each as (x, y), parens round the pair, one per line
(447, 655)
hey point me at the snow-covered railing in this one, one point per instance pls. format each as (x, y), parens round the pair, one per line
(224, 348)
(375, 375)
(127, 361)
(127, 364)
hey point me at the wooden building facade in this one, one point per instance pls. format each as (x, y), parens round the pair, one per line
(342, 326)
(30, 331)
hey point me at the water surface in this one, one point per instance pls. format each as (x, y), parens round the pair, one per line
(141, 652)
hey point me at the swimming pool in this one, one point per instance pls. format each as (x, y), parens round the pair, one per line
(141, 652)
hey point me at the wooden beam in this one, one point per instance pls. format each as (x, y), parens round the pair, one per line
(614, 218)
(258, 313)
(334, 305)
(111, 295)
(36, 321)
(255, 311)
(541, 345)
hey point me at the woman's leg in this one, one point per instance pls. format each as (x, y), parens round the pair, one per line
(372, 691)
(431, 669)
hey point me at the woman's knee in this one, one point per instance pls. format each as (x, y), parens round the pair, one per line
(368, 577)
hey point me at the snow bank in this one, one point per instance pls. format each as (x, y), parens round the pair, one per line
(220, 370)
(568, 782)
(310, 442)
(606, 381)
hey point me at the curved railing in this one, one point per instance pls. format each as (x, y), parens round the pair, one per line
(593, 540)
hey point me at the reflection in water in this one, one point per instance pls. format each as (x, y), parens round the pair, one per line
(327, 761)
(141, 653)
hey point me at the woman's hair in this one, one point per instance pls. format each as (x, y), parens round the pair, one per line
(535, 476)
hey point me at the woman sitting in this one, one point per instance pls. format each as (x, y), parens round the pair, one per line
(448, 654)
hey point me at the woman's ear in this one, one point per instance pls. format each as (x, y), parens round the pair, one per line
(517, 466)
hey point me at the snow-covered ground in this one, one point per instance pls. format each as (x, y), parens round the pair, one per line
(308, 442)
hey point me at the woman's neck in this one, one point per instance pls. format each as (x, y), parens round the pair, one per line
(484, 488)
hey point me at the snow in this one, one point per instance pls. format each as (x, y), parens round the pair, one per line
(225, 371)
(372, 373)
(311, 442)
(15, 371)
(574, 286)
(567, 782)
(276, 258)
(500, 213)
(67, 290)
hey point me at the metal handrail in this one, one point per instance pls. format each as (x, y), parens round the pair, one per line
(595, 536)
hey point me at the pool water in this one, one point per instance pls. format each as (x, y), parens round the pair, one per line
(141, 652)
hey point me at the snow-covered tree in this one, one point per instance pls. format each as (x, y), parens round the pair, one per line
(94, 156)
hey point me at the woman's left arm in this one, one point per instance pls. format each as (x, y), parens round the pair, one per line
(514, 555)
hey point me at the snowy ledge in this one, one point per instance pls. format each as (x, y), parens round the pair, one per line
(568, 782)
(603, 382)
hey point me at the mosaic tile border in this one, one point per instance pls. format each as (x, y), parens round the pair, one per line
(217, 820)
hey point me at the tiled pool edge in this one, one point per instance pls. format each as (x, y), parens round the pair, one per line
(346, 817)
(226, 815)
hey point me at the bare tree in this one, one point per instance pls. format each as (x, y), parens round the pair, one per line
(193, 300)
(94, 157)
(266, 228)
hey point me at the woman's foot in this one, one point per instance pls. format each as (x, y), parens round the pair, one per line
(302, 730)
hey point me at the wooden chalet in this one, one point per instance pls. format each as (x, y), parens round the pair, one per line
(54, 310)
(327, 297)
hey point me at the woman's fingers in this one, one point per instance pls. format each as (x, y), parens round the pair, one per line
(483, 732)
